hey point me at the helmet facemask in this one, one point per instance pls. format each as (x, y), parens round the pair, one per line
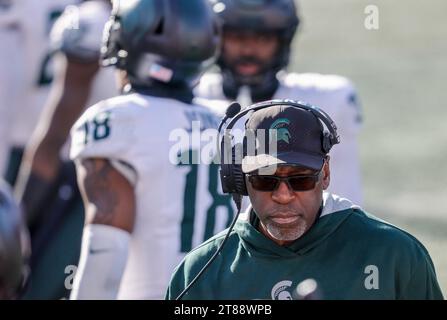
(259, 17)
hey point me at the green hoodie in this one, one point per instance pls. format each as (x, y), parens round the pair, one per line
(351, 255)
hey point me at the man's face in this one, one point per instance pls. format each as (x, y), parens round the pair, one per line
(249, 54)
(285, 215)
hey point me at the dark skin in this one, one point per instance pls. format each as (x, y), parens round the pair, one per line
(67, 100)
(285, 215)
(261, 46)
(71, 91)
(108, 196)
(69, 95)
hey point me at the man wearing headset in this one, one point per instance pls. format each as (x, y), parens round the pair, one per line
(148, 199)
(296, 231)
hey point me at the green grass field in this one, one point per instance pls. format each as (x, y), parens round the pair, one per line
(400, 71)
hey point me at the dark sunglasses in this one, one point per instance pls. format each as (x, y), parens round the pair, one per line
(295, 183)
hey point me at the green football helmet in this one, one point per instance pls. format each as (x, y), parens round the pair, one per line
(170, 41)
(271, 16)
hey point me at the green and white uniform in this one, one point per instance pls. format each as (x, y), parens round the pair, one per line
(179, 204)
(351, 255)
(76, 34)
(33, 21)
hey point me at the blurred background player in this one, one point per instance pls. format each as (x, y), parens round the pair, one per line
(257, 36)
(14, 246)
(25, 74)
(149, 199)
(294, 231)
(47, 183)
(11, 74)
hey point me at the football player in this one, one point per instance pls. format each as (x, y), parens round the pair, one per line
(76, 41)
(148, 197)
(11, 75)
(14, 246)
(257, 37)
(47, 184)
(31, 22)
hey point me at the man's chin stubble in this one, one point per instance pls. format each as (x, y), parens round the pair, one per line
(287, 234)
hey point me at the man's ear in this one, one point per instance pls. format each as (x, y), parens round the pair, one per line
(326, 178)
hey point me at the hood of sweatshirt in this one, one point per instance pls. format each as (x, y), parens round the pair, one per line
(335, 211)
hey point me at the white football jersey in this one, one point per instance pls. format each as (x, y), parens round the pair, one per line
(34, 19)
(11, 82)
(179, 205)
(333, 94)
(44, 29)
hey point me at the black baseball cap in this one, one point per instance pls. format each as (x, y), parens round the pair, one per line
(298, 134)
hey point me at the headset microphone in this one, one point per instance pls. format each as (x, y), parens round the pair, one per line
(233, 109)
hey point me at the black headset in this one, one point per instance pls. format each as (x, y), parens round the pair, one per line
(231, 175)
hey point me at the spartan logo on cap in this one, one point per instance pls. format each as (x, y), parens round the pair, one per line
(279, 291)
(283, 133)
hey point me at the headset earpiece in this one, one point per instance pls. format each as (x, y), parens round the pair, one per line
(238, 175)
(231, 175)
